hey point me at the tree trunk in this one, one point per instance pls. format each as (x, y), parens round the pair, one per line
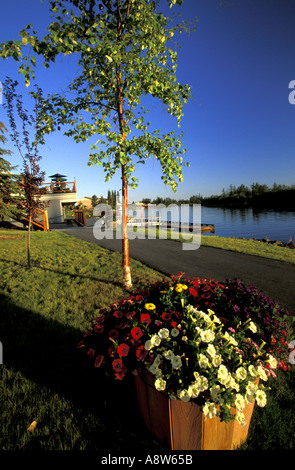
(29, 241)
(127, 282)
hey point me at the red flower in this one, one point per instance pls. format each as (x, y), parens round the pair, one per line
(113, 333)
(136, 333)
(119, 368)
(98, 328)
(166, 316)
(90, 352)
(193, 291)
(98, 360)
(130, 314)
(117, 365)
(118, 314)
(120, 375)
(123, 350)
(80, 344)
(141, 353)
(145, 318)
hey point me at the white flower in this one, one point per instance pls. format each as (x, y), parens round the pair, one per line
(176, 362)
(216, 319)
(155, 340)
(205, 317)
(241, 418)
(234, 384)
(209, 410)
(184, 338)
(240, 402)
(202, 383)
(211, 350)
(272, 361)
(207, 336)
(154, 369)
(193, 390)
(216, 361)
(148, 345)
(241, 373)
(251, 389)
(222, 374)
(184, 395)
(168, 354)
(163, 333)
(227, 381)
(252, 327)
(260, 398)
(160, 384)
(157, 361)
(252, 370)
(203, 361)
(174, 332)
(229, 338)
(261, 372)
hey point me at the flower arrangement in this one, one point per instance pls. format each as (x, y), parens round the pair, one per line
(201, 340)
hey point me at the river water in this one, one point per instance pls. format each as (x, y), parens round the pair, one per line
(239, 223)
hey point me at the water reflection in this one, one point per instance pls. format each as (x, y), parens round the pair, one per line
(232, 222)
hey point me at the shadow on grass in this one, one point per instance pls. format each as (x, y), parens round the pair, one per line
(63, 272)
(45, 352)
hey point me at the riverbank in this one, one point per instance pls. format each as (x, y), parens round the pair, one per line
(263, 248)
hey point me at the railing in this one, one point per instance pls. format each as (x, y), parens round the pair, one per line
(143, 221)
(41, 225)
(60, 187)
(80, 217)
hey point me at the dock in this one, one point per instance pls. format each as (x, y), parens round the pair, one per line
(157, 222)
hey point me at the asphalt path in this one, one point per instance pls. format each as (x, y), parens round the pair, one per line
(275, 278)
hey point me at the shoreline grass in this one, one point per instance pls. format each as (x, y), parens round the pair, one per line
(44, 311)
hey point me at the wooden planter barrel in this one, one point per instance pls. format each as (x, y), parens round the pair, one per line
(183, 426)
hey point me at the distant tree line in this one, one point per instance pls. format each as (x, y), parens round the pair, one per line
(168, 200)
(278, 196)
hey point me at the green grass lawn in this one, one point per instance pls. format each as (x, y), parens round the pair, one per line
(43, 313)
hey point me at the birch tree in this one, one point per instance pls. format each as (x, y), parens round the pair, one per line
(126, 52)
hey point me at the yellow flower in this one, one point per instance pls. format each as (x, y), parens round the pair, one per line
(150, 306)
(178, 288)
(32, 426)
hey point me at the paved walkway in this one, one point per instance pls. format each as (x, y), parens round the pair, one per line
(274, 278)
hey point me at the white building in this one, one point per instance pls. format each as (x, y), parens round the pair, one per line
(59, 194)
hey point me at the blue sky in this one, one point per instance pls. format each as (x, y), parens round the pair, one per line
(239, 126)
